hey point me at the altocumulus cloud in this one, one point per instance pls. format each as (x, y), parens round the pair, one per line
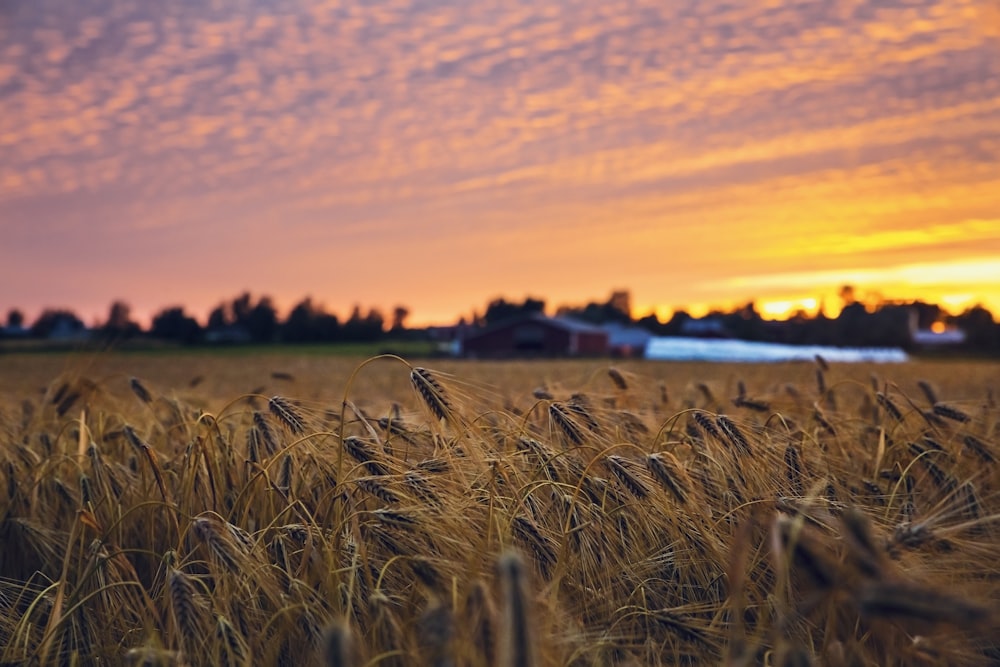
(348, 121)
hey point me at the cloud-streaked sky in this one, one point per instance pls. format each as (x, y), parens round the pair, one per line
(439, 153)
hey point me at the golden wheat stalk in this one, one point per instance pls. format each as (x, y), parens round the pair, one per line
(287, 414)
(517, 646)
(338, 645)
(432, 392)
(140, 390)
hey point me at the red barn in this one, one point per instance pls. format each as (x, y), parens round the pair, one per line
(536, 336)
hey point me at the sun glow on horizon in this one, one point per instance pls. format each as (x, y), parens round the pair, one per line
(784, 309)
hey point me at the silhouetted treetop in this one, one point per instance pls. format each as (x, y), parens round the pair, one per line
(309, 323)
(119, 325)
(172, 323)
(57, 322)
(500, 309)
(618, 308)
(15, 318)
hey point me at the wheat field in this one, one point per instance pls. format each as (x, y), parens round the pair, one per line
(273, 509)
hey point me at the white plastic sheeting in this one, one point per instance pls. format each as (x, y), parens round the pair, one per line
(701, 349)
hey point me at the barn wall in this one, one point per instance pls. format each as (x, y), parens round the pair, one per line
(592, 344)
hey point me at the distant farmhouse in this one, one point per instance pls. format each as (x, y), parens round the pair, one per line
(535, 335)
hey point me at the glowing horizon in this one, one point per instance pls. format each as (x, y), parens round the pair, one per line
(436, 156)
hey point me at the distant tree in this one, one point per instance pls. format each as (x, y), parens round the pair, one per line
(746, 323)
(57, 321)
(354, 325)
(532, 305)
(399, 315)
(119, 325)
(241, 308)
(888, 326)
(621, 304)
(219, 317)
(500, 309)
(650, 323)
(799, 315)
(847, 295)
(256, 320)
(618, 308)
(375, 323)
(596, 313)
(363, 328)
(817, 331)
(675, 325)
(850, 325)
(981, 331)
(326, 327)
(173, 324)
(261, 321)
(309, 323)
(297, 327)
(15, 318)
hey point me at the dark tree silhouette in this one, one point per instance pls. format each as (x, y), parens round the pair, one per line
(243, 319)
(173, 324)
(621, 303)
(675, 325)
(15, 319)
(399, 315)
(363, 328)
(847, 294)
(355, 325)
(849, 326)
(745, 323)
(119, 325)
(219, 317)
(309, 323)
(241, 308)
(980, 329)
(375, 322)
(651, 323)
(618, 308)
(297, 328)
(500, 309)
(57, 321)
(261, 321)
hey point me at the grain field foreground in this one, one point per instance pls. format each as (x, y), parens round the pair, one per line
(274, 509)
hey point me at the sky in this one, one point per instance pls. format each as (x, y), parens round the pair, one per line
(437, 154)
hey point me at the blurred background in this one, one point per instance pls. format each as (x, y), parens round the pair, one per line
(433, 156)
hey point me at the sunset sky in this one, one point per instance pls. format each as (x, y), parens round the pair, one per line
(441, 153)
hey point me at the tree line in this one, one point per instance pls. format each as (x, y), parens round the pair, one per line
(246, 319)
(871, 322)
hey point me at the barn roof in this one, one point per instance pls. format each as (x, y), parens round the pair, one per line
(564, 323)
